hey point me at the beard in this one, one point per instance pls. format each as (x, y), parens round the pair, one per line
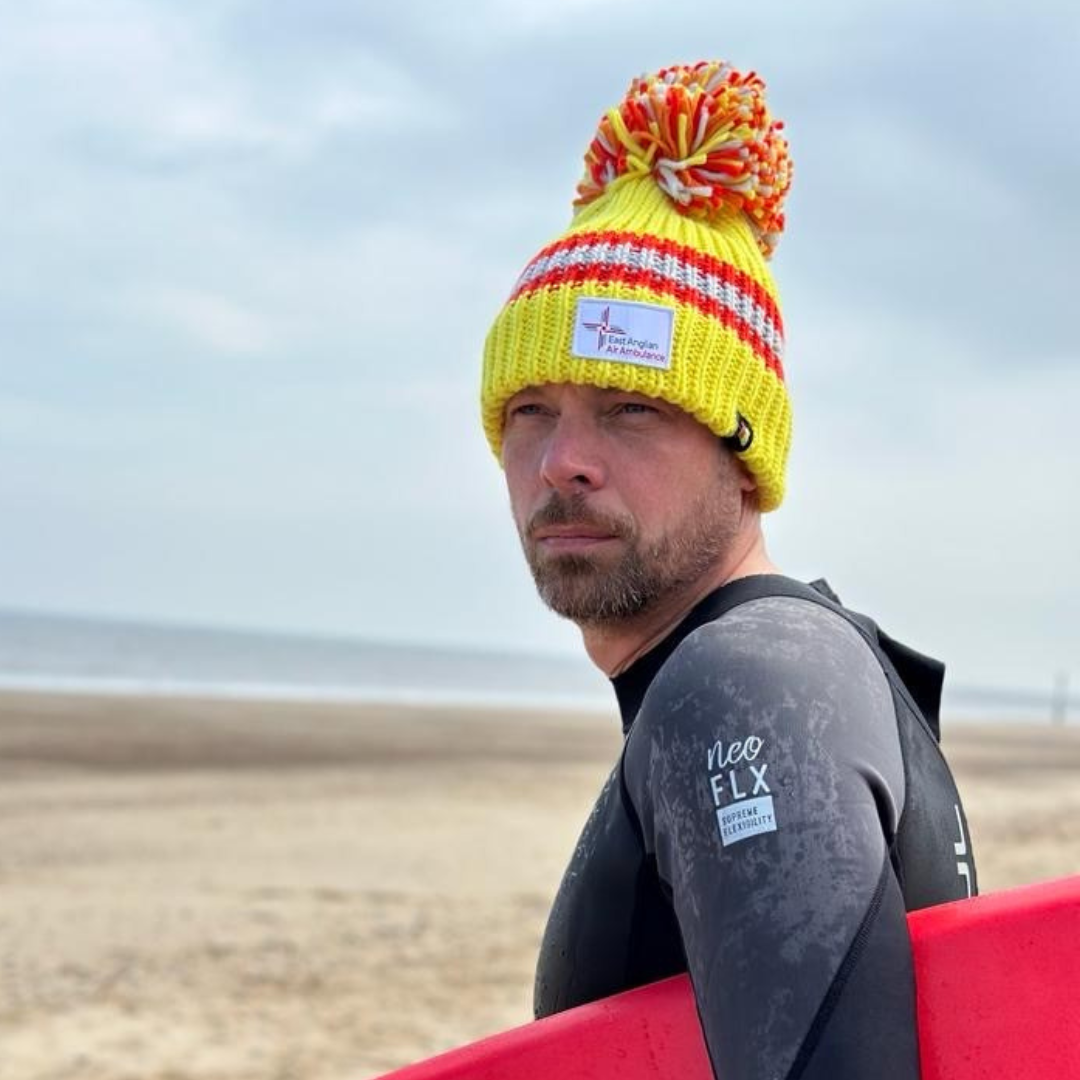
(596, 589)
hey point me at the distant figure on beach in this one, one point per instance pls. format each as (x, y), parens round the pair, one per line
(780, 799)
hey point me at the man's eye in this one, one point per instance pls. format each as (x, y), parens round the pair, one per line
(635, 408)
(527, 408)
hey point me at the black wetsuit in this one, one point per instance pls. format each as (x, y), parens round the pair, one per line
(779, 803)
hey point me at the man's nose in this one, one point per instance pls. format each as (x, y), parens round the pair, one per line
(572, 458)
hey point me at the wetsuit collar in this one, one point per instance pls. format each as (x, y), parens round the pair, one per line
(631, 684)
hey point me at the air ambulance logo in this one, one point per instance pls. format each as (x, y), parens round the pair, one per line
(603, 327)
(623, 332)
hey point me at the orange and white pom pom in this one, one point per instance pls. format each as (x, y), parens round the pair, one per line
(705, 135)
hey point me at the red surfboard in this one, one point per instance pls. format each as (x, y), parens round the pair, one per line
(998, 983)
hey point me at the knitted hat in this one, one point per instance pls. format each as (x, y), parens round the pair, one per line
(660, 284)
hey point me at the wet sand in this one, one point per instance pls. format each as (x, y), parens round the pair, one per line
(200, 890)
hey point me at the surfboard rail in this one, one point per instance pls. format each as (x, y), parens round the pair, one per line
(997, 980)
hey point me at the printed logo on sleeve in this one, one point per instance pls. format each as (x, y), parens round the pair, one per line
(740, 790)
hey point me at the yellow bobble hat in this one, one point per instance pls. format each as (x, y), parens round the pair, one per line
(660, 285)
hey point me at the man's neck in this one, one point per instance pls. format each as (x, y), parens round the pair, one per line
(613, 647)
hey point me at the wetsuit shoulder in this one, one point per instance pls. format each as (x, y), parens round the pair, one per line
(766, 772)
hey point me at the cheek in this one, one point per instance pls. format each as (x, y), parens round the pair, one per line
(517, 452)
(666, 496)
(519, 508)
(520, 485)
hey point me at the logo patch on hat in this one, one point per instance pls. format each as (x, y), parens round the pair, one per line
(624, 332)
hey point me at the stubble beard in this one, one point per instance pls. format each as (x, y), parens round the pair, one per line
(596, 590)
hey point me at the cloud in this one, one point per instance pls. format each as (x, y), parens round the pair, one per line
(210, 321)
(26, 422)
(200, 95)
(529, 16)
(954, 522)
(252, 251)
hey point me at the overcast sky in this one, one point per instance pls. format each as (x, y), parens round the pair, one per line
(249, 253)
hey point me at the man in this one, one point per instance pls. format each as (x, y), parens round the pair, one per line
(781, 799)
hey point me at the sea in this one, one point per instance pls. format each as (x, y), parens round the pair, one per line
(66, 653)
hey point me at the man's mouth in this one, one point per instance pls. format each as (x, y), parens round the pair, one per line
(565, 526)
(571, 539)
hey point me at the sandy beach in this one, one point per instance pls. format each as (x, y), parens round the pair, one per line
(201, 890)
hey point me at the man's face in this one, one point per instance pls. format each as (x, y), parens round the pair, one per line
(621, 500)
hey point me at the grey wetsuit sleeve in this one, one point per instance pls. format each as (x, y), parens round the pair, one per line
(766, 772)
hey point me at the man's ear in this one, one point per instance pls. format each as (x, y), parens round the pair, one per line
(747, 481)
(732, 461)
